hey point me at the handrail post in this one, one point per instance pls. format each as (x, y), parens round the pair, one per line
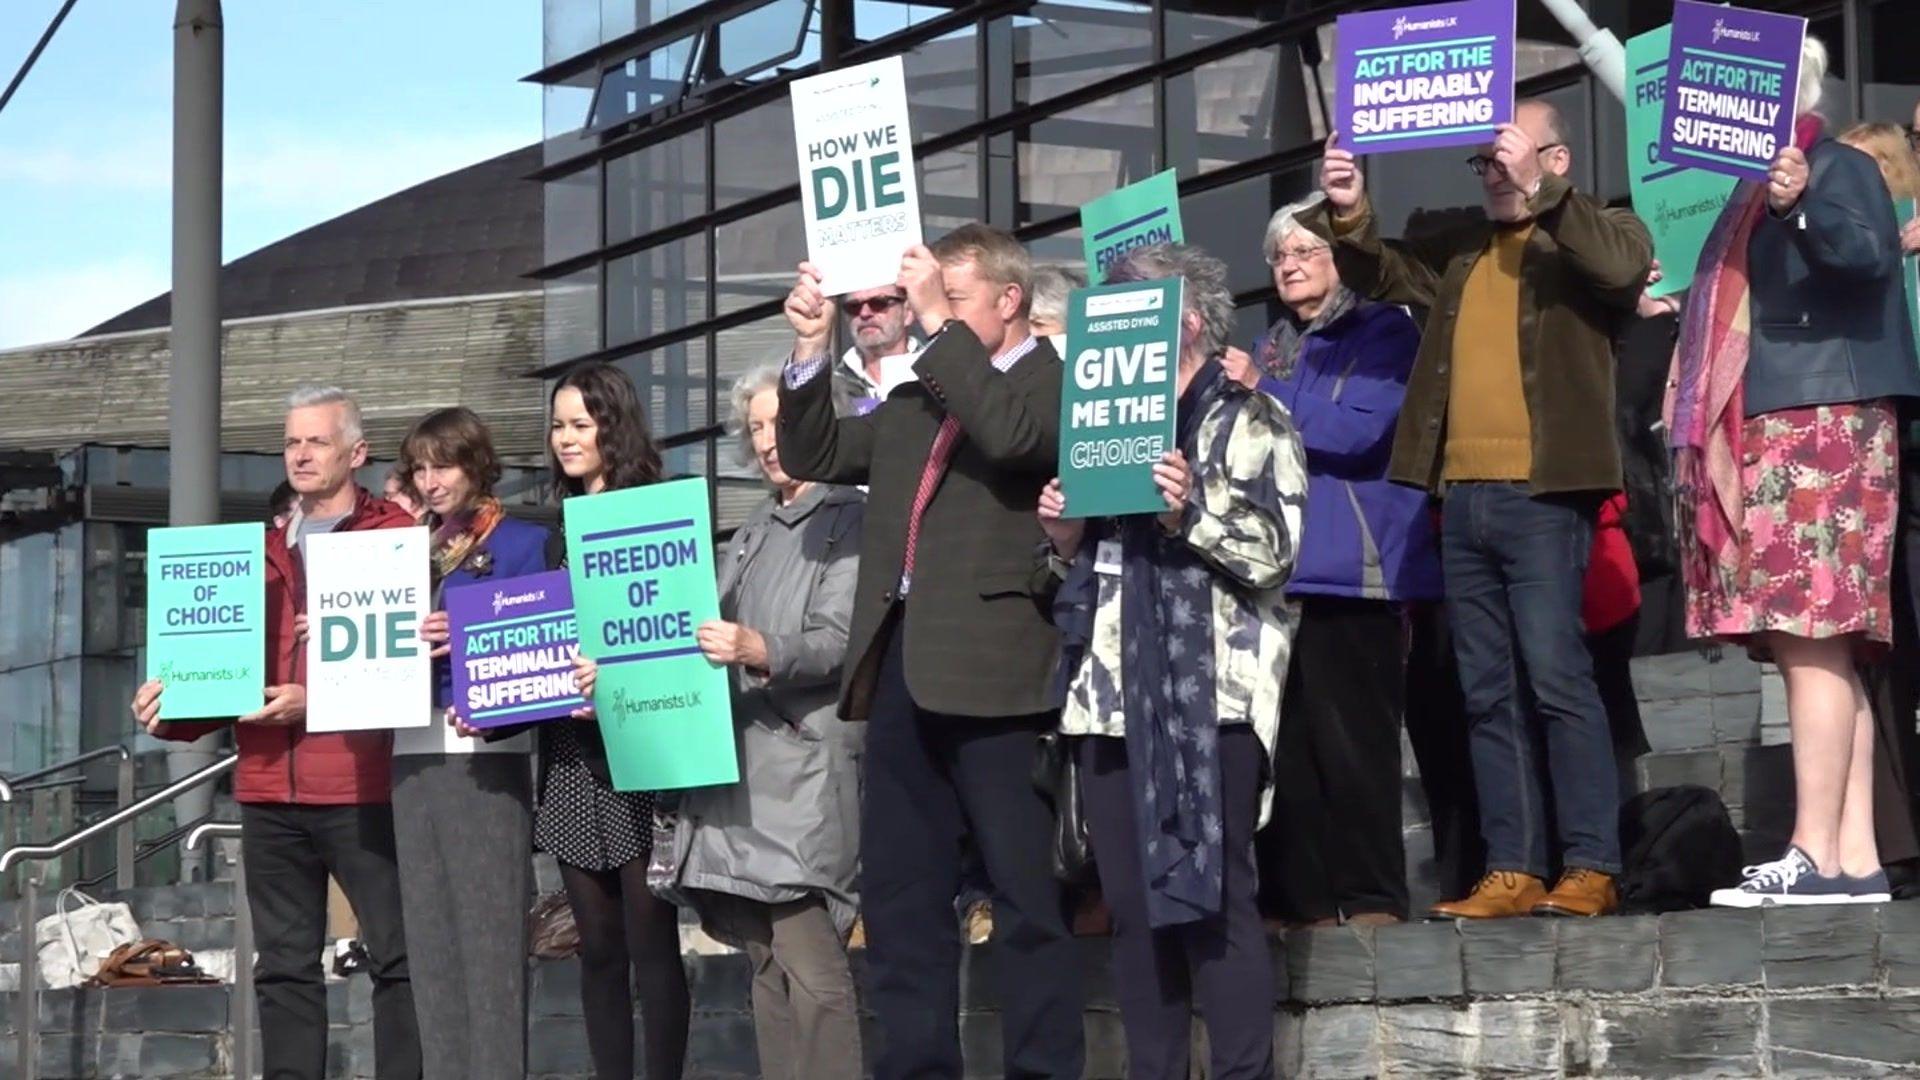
(243, 1019)
(123, 838)
(28, 1025)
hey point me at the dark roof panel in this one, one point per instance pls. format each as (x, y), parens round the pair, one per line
(468, 233)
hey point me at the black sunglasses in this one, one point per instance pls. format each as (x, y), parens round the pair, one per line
(1480, 163)
(880, 305)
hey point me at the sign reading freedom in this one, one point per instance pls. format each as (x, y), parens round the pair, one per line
(1421, 77)
(511, 649)
(1147, 212)
(858, 192)
(206, 619)
(1117, 405)
(1733, 78)
(1679, 203)
(641, 561)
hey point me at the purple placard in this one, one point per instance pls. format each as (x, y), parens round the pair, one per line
(1733, 77)
(512, 644)
(1420, 77)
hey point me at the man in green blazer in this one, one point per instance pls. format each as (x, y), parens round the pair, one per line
(950, 650)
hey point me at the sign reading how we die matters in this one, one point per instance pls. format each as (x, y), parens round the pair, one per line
(641, 561)
(1733, 78)
(512, 650)
(206, 619)
(858, 192)
(1117, 405)
(1421, 77)
(1679, 203)
(367, 594)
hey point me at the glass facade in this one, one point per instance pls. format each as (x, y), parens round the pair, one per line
(680, 199)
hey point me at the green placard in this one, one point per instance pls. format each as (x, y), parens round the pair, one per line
(641, 564)
(1678, 203)
(207, 619)
(1144, 213)
(1904, 209)
(1117, 404)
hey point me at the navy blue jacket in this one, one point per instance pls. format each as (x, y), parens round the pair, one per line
(1366, 536)
(1830, 323)
(515, 548)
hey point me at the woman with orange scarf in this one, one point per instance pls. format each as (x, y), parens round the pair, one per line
(1794, 349)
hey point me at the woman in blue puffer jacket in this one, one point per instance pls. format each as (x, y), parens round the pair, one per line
(1340, 364)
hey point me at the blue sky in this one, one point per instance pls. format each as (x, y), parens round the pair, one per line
(330, 104)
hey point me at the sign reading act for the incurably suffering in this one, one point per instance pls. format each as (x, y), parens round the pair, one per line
(1733, 79)
(1117, 405)
(858, 192)
(1421, 77)
(367, 594)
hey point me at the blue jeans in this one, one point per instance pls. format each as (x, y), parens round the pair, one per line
(1515, 566)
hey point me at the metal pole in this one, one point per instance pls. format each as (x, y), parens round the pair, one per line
(28, 1025)
(193, 418)
(243, 1017)
(1602, 52)
(123, 839)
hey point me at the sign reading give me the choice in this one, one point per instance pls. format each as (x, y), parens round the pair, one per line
(1117, 406)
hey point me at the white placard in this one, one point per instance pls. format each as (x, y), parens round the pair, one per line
(858, 190)
(367, 594)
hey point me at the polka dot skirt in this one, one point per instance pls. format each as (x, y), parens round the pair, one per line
(583, 822)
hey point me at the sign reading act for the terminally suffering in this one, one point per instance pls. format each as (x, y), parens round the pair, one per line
(206, 619)
(641, 562)
(1420, 77)
(512, 650)
(1117, 406)
(858, 193)
(1733, 79)
(367, 594)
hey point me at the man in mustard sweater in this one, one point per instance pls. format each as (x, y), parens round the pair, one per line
(1508, 420)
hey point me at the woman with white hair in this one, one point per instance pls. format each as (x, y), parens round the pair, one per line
(1340, 364)
(770, 862)
(1175, 630)
(1794, 350)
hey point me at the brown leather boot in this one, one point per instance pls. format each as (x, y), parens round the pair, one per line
(1581, 893)
(1501, 894)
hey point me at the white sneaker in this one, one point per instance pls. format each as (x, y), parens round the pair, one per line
(1791, 880)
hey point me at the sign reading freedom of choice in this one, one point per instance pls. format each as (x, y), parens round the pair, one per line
(1733, 78)
(1117, 406)
(858, 192)
(511, 650)
(206, 619)
(641, 562)
(1147, 212)
(1679, 203)
(1420, 77)
(367, 594)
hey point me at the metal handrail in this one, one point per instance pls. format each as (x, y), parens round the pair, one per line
(27, 1026)
(9, 785)
(210, 828)
(24, 852)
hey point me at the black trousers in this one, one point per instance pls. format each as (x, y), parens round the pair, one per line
(289, 851)
(1334, 846)
(932, 782)
(1220, 964)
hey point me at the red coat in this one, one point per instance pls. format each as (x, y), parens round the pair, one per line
(286, 764)
(1612, 592)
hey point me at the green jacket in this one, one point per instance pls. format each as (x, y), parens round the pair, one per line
(1582, 273)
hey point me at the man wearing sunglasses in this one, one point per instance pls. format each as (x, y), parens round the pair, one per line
(1509, 420)
(881, 357)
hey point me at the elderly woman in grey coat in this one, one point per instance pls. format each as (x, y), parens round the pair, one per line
(770, 862)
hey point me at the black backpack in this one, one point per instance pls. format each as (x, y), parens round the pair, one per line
(1679, 845)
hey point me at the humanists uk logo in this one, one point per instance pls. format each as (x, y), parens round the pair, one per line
(1722, 30)
(503, 601)
(1403, 26)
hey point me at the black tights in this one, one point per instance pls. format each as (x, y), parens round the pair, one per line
(621, 921)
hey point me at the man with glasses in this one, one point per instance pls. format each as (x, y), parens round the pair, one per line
(1509, 420)
(881, 357)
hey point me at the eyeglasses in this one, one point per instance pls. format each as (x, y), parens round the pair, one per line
(1302, 254)
(880, 304)
(1913, 139)
(1480, 163)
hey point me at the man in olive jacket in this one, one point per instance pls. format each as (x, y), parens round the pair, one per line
(1509, 419)
(949, 651)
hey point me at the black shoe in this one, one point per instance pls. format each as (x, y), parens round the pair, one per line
(350, 957)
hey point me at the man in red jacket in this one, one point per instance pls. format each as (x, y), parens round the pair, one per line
(313, 804)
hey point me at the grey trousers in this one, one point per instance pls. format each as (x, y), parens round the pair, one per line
(463, 830)
(806, 1016)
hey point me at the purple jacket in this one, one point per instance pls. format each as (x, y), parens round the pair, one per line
(1365, 536)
